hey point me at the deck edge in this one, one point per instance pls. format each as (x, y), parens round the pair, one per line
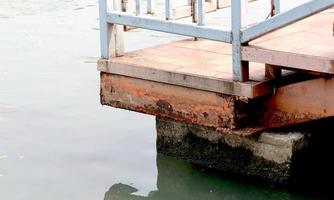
(288, 60)
(249, 89)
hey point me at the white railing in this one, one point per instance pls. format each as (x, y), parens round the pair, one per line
(111, 32)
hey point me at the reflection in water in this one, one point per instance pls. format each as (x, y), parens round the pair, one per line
(180, 180)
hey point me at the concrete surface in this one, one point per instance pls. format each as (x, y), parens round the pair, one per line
(268, 156)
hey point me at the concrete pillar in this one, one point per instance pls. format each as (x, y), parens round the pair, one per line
(268, 156)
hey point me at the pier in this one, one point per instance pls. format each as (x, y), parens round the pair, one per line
(239, 79)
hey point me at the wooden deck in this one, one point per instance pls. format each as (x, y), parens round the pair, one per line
(191, 81)
(306, 45)
(207, 65)
(202, 64)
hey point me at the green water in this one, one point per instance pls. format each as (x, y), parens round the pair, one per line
(58, 142)
(180, 180)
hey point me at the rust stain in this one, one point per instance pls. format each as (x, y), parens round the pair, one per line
(169, 101)
(278, 118)
(292, 104)
(164, 105)
(300, 102)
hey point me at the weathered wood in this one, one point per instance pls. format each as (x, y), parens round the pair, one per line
(209, 69)
(250, 89)
(290, 60)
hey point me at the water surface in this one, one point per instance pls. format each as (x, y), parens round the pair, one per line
(58, 142)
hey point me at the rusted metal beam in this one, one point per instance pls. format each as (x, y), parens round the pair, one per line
(300, 102)
(294, 103)
(272, 71)
(164, 100)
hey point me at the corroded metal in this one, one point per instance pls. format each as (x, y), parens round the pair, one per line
(300, 102)
(294, 103)
(164, 100)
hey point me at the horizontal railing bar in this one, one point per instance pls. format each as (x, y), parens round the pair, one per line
(186, 29)
(284, 19)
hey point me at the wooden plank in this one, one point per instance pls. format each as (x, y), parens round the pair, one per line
(209, 69)
(249, 89)
(288, 59)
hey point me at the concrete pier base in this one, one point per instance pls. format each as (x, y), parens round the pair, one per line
(268, 156)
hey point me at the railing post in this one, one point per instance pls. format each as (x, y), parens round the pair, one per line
(272, 71)
(150, 6)
(194, 10)
(104, 41)
(240, 68)
(125, 5)
(138, 7)
(115, 34)
(168, 9)
(220, 4)
(201, 12)
(276, 7)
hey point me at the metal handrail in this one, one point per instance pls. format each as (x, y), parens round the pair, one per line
(237, 36)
